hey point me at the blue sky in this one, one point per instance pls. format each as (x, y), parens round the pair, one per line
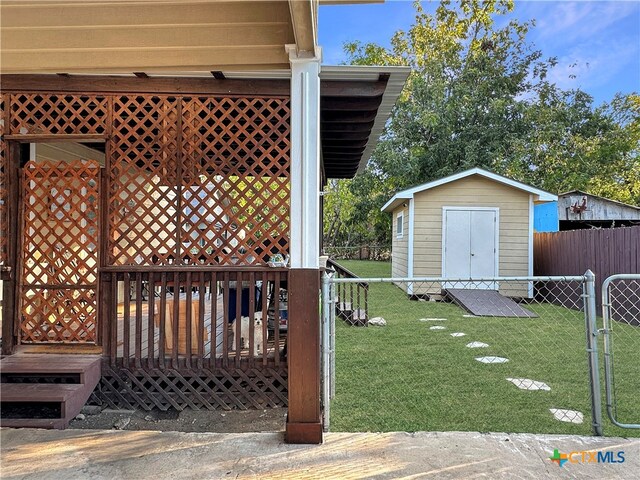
(598, 42)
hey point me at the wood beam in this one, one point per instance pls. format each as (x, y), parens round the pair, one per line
(159, 85)
(11, 278)
(120, 84)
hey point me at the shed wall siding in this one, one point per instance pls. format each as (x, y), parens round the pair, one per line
(472, 192)
(400, 246)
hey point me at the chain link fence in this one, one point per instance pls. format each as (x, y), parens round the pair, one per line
(621, 318)
(503, 354)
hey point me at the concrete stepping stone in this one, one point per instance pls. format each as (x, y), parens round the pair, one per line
(458, 334)
(491, 359)
(477, 345)
(437, 327)
(569, 416)
(377, 322)
(432, 319)
(528, 384)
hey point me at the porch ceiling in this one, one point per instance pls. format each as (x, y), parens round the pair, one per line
(115, 36)
(125, 36)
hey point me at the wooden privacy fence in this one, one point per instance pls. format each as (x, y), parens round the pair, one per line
(605, 252)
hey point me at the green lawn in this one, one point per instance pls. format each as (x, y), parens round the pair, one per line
(406, 377)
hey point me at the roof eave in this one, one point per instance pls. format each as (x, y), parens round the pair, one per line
(397, 77)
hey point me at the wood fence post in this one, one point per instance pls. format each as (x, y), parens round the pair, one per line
(304, 423)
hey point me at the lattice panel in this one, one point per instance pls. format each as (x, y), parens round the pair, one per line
(37, 113)
(199, 180)
(143, 181)
(235, 168)
(58, 315)
(3, 186)
(60, 251)
(202, 389)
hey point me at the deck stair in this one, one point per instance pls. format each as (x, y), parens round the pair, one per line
(45, 391)
(357, 316)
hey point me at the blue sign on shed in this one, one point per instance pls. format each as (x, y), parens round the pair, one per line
(545, 217)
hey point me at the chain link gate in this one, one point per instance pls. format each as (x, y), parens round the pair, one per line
(436, 366)
(621, 322)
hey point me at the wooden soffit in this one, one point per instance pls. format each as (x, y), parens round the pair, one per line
(355, 103)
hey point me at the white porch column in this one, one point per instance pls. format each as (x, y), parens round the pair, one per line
(304, 241)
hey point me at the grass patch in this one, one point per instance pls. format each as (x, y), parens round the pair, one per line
(405, 377)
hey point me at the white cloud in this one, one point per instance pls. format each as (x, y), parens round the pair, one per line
(594, 65)
(568, 21)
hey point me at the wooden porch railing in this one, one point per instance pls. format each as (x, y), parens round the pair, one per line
(352, 299)
(192, 317)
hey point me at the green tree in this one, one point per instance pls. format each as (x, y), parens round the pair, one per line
(478, 96)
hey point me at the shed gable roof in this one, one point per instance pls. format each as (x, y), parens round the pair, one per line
(409, 193)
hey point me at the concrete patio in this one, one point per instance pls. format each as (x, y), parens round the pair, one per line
(103, 454)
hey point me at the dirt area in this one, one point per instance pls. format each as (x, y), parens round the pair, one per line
(220, 421)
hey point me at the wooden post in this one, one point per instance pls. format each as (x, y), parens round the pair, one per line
(10, 284)
(304, 423)
(105, 288)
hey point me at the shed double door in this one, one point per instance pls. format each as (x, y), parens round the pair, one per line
(470, 244)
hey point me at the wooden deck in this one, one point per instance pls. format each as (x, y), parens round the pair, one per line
(209, 327)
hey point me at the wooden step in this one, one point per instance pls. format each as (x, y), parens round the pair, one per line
(39, 385)
(87, 367)
(39, 392)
